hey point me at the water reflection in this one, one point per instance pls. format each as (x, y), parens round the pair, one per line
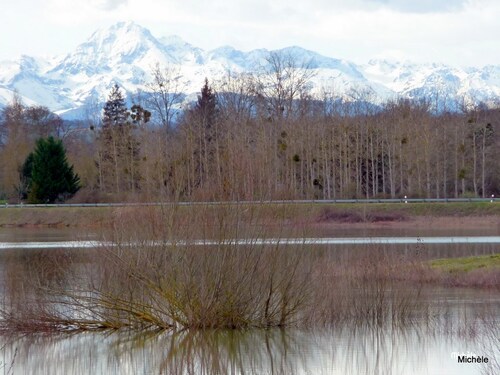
(414, 349)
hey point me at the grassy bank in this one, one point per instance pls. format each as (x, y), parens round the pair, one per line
(475, 271)
(297, 213)
(467, 264)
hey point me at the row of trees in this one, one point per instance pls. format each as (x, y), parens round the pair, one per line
(266, 137)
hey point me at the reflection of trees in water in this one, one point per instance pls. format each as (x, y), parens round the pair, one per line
(347, 349)
(375, 350)
(222, 352)
(217, 351)
(491, 346)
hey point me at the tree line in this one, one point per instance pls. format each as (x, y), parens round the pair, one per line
(261, 136)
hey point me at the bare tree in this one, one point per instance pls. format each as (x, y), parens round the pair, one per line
(282, 82)
(165, 93)
(43, 123)
(235, 97)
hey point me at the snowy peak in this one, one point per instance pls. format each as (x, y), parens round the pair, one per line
(122, 43)
(127, 44)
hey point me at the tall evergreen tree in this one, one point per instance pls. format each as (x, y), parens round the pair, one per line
(115, 110)
(48, 174)
(203, 121)
(118, 151)
(206, 106)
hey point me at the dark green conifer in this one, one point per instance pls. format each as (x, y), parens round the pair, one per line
(48, 174)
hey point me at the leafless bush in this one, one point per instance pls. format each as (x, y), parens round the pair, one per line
(178, 286)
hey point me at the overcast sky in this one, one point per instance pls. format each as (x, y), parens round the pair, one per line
(456, 32)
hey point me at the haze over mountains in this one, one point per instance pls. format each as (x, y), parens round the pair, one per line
(125, 54)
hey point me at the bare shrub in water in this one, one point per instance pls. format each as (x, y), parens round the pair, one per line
(201, 286)
(154, 274)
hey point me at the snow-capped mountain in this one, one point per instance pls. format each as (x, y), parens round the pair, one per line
(126, 53)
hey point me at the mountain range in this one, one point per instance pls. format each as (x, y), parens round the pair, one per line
(126, 53)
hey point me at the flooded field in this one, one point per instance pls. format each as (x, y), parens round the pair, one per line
(350, 327)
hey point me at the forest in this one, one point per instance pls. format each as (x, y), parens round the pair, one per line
(259, 137)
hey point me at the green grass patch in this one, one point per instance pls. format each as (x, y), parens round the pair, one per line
(467, 264)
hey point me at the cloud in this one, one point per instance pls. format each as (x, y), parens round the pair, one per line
(422, 6)
(108, 4)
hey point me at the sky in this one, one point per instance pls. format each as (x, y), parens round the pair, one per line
(454, 32)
